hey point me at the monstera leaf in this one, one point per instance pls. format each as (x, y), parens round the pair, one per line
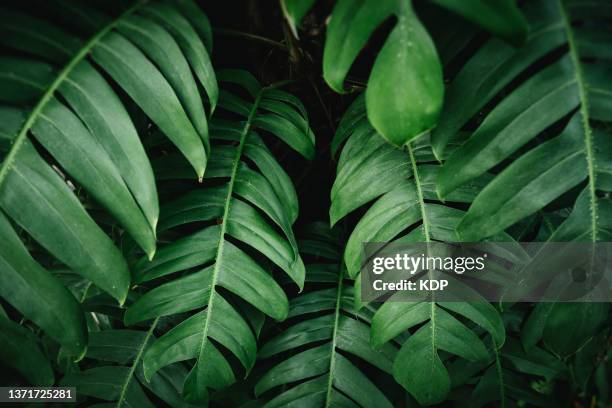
(63, 122)
(544, 129)
(250, 206)
(326, 326)
(402, 183)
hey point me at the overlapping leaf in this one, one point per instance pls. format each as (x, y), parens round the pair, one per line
(117, 375)
(402, 183)
(20, 349)
(545, 137)
(61, 116)
(326, 326)
(504, 379)
(250, 205)
(520, 137)
(405, 89)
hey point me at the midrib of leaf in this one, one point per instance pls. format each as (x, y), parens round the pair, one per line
(46, 97)
(584, 112)
(500, 375)
(417, 182)
(332, 360)
(226, 209)
(425, 225)
(137, 359)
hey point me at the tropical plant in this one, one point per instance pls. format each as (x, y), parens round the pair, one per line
(241, 205)
(122, 383)
(546, 137)
(405, 88)
(535, 162)
(56, 98)
(401, 181)
(329, 326)
(148, 254)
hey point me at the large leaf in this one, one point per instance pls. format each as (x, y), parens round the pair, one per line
(63, 123)
(401, 181)
(253, 206)
(579, 322)
(38, 295)
(19, 348)
(405, 90)
(503, 380)
(324, 323)
(544, 136)
(117, 374)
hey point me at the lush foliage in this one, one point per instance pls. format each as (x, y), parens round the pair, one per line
(163, 223)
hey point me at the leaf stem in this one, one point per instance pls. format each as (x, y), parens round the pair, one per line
(137, 359)
(584, 113)
(425, 226)
(226, 210)
(249, 36)
(417, 182)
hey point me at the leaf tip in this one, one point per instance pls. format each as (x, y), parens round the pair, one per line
(151, 253)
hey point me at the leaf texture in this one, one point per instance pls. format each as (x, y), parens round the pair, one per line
(400, 182)
(326, 323)
(250, 205)
(65, 123)
(535, 162)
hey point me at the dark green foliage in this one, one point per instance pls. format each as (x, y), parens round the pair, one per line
(148, 202)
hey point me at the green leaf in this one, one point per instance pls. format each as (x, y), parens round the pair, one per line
(248, 206)
(70, 234)
(191, 44)
(325, 330)
(511, 136)
(578, 321)
(78, 152)
(502, 18)
(39, 37)
(163, 50)
(123, 384)
(39, 296)
(493, 67)
(19, 349)
(199, 20)
(433, 386)
(405, 89)
(405, 210)
(545, 172)
(294, 11)
(101, 110)
(89, 133)
(152, 92)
